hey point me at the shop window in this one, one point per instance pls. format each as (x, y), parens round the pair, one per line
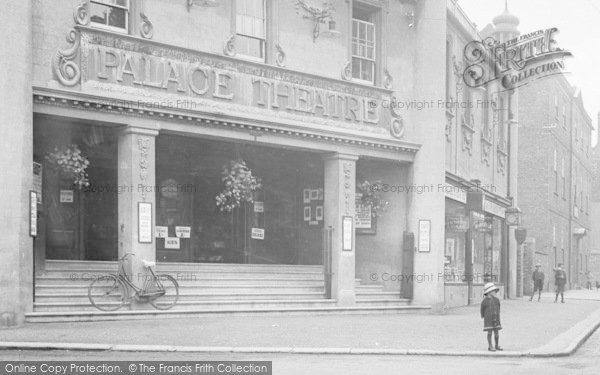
(78, 210)
(272, 230)
(455, 240)
(363, 44)
(250, 29)
(110, 14)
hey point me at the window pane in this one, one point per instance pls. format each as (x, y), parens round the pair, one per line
(356, 68)
(98, 13)
(370, 33)
(118, 18)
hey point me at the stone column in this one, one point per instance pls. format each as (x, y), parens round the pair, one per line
(137, 182)
(428, 169)
(340, 186)
(16, 157)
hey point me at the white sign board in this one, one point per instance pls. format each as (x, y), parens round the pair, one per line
(424, 236)
(161, 232)
(183, 232)
(144, 222)
(172, 243)
(66, 196)
(258, 233)
(347, 232)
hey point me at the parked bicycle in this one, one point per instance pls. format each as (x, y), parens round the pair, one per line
(110, 292)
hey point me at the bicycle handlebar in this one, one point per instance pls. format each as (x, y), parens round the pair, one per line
(125, 255)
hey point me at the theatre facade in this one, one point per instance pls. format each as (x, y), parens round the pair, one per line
(151, 120)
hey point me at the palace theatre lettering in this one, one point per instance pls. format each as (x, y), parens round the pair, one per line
(219, 82)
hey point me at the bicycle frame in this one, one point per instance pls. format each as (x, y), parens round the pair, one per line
(150, 280)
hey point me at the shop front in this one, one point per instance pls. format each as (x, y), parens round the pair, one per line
(475, 248)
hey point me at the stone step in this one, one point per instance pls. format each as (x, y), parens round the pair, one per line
(283, 307)
(382, 302)
(192, 304)
(88, 275)
(187, 288)
(377, 295)
(103, 266)
(190, 296)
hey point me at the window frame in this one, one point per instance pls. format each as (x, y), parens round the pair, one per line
(128, 12)
(375, 9)
(236, 32)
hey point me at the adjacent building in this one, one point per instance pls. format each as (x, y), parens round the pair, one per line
(555, 180)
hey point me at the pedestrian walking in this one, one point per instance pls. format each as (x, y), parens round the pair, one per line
(560, 280)
(490, 313)
(538, 281)
(589, 277)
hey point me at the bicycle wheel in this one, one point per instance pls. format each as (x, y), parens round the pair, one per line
(168, 299)
(107, 293)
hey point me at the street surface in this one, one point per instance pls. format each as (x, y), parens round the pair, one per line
(585, 362)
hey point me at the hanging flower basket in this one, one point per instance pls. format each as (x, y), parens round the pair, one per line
(370, 196)
(239, 186)
(70, 164)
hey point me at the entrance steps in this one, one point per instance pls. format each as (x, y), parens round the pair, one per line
(61, 292)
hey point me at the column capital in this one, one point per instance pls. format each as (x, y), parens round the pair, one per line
(340, 156)
(141, 130)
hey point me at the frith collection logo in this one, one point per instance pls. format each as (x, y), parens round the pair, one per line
(516, 62)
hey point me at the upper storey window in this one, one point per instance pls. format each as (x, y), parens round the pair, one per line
(363, 44)
(250, 28)
(110, 14)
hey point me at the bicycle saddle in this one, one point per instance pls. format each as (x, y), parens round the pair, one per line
(148, 264)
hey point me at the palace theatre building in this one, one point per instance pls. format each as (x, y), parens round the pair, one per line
(137, 130)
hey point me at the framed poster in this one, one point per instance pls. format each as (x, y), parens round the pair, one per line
(424, 236)
(33, 201)
(319, 213)
(314, 194)
(365, 222)
(37, 180)
(307, 213)
(144, 222)
(347, 232)
(306, 195)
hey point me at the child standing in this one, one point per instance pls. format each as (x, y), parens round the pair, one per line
(490, 313)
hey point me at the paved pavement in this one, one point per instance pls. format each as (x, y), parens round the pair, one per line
(527, 325)
(585, 362)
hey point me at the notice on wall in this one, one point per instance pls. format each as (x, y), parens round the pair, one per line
(66, 196)
(258, 233)
(424, 236)
(172, 243)
(161, 232)
(183, 232)
(37, 181)
(347, 232)
(259, 207)
(363, 214)
(144, 222)
(33, 213)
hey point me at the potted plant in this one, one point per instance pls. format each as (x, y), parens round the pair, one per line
(239, 185)
(370, 196)
(70, 164)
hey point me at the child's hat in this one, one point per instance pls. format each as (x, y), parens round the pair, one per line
(489, 287)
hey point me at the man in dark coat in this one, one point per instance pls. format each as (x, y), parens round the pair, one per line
(560, 280)
(538, 281)
(490, 313)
